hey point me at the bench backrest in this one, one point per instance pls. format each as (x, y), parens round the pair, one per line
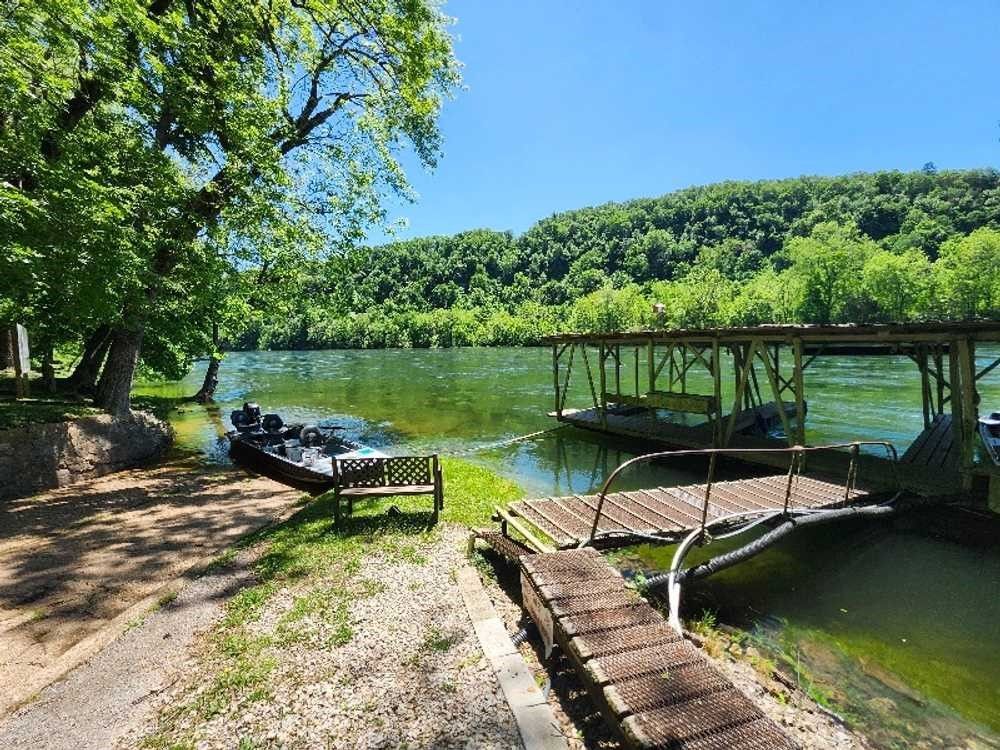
(395, 471)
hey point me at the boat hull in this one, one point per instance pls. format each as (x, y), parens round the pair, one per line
(252, 456)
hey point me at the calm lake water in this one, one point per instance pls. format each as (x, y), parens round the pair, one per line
(895, 626)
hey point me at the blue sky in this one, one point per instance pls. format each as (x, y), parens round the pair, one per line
(570, 104)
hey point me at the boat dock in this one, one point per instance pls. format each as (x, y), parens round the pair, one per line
(746, 388)
(654, 688)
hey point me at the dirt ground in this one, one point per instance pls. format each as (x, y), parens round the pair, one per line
(74, 559)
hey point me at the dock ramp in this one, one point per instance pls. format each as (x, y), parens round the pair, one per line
(654, 687)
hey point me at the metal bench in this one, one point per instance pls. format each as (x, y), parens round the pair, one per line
(383, 477)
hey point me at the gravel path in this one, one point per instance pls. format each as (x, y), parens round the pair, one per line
(73, 559)
(402, 669)
(114, 692)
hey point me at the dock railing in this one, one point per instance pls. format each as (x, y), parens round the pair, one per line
(795, 465)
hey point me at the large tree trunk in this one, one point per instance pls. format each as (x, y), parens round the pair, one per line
(84, 376)
(115, 385)
(206, 394)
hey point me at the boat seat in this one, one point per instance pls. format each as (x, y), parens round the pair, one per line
(386, 476)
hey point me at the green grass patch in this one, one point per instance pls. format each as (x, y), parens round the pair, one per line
(166, 599)
(437, 640)
(471, 492)
(15, 414)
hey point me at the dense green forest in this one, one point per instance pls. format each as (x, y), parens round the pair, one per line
(887, 246)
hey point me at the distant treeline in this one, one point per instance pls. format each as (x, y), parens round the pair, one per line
(887, 246)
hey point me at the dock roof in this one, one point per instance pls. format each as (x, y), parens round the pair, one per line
(882, 333)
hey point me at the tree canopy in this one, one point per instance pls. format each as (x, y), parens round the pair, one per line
(158, 156)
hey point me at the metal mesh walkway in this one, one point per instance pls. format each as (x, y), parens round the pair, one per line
(650, 683)
(567, 521)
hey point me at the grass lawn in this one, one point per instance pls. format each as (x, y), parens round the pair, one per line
(307, 558)
(61, 407)
(20, 413)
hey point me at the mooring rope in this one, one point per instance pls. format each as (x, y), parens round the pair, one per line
(502, 443)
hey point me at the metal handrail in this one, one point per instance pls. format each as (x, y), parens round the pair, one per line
(794, 467)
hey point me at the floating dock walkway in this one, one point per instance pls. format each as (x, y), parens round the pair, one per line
(653, 687)
(669, 513)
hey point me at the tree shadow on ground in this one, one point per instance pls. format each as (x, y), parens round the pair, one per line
(72, 559)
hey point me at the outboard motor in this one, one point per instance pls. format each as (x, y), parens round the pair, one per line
(247, 418)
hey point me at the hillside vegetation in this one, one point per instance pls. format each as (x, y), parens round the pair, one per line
(887, 246)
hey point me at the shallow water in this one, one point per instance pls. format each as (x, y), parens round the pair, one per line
(898, 628)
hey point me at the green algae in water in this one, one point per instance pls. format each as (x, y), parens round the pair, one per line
(897, 629)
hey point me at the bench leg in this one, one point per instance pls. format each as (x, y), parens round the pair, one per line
(350, 506)
(336, 509)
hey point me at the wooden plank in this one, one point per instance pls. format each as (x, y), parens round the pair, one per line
(803, 492)
(522, 529)
(581, 510)
(665, 524)
(680, 512)
(567, 523)
(910, 455)
(932, 439)
(736, 500)
(559, 535)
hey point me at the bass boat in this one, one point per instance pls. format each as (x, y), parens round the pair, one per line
(297, 454)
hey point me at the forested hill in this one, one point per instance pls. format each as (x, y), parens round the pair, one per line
(881, 246)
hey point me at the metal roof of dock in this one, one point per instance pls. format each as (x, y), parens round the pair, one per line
(882, 333)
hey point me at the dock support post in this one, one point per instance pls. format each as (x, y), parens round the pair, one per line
(602, 362)
(800, 403)
(939, 366)
(618, 368)
(772, 376)
(957, 401)
(651, 357)
(925, 385)
(742, 363)
(637, 393)
(555, 379)
(717, 392)
(966, 353)
(590, 376)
